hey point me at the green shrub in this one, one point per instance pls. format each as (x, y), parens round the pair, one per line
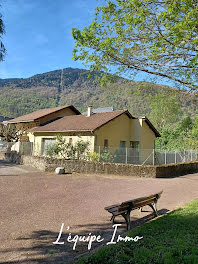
(106, 155)
(66, 150)
(52, 151)
(93, 156)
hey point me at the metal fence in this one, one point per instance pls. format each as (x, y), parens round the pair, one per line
(24, 148)
(116, 155)
(145, 156)
(6, 146)
(166, 157)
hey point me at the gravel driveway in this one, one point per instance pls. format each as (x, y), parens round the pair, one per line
(34, 204)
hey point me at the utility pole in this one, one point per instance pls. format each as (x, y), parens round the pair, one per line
(60, 88)
(61, 82)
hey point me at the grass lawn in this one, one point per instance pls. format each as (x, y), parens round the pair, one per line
(172, 238)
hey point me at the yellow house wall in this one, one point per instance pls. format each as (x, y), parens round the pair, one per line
(115, 131)
(31, 137)
(120, 129)
(125, 129)
(148, 142)
(136, 129)
(39, 138)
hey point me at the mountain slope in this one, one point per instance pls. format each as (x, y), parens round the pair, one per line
(21, 96)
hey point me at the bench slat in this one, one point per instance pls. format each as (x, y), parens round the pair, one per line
(141, 204)
(112, 206)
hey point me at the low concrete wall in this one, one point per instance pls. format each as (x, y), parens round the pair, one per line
(36, 162)
(81, 166)
(175, 170)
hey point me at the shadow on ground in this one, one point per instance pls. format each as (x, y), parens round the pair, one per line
(4, 163)
(42, 249)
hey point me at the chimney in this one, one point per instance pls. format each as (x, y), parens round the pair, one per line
(89, 111)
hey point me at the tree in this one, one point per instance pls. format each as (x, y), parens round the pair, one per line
(186, 125)
(193, 140)
(11, 133)
(2, 31)
(165, 110)
(171, 139)
(158, 37)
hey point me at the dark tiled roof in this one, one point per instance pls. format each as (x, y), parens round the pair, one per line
(41, 113)
(80, 122)
(84, 123)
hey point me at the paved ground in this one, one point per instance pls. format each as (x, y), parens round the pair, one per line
(34, 204)
(10, 169)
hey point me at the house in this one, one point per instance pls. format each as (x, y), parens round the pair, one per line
(41, 118)
(110, 130)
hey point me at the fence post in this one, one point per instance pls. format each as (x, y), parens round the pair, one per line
(184, 155)
(165, 156)
(126, 157)
(191, 155)
(175, 156)
(153, 157)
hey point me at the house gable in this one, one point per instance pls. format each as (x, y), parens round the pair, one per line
(45, 114)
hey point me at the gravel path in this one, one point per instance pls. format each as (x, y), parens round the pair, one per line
(34, 204)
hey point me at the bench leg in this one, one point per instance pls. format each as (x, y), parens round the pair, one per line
(113, 219)
(128, 220)
(154, 207)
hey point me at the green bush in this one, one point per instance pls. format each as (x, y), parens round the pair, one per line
(93, 156)
(106, 155)
(66, 150)
(52, 151)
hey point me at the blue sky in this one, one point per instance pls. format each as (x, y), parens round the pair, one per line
(38, 34)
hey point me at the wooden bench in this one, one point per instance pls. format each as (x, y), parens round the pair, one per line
(124, 209)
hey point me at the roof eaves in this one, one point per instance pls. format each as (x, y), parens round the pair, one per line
(60, 131)
(129, 114)
(75, 109)
(26, 121)
(20, 121)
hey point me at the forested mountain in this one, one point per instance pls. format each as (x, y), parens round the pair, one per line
(21, 96)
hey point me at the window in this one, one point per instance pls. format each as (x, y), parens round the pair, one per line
(134, 152)
(134, 145)
(106, 143)
(47, 142)
(122, 144)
